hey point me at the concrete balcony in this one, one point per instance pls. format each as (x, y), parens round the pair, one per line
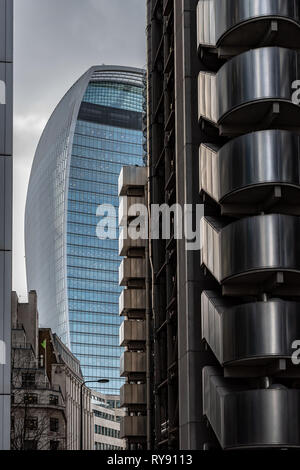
(132, 270)
(132, 363)
(133, 427)
(132, 177)
(250, 418)
(133, 333)
(240, 25)
(265, 101)
(130, 247)
(132, 301)
(133, 394)
(253, 173)
(128, 208)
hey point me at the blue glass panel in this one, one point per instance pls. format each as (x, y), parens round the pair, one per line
(98, 154)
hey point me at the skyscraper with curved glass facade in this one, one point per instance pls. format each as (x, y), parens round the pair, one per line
(94, 131)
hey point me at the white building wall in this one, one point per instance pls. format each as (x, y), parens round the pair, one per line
(109, 425)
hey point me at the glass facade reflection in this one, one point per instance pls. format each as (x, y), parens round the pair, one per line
(94, 131)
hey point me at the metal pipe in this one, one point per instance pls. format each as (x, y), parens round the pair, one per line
(100, 381)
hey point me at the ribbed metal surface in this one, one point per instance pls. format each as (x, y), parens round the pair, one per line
(265, 243)
(246, 86)
(249, 333)
(245, 417)
(247, 167)
(246, 22)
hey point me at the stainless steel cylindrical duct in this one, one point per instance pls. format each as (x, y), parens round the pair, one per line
(249, 179)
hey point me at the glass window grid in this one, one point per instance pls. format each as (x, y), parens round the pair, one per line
(116, 95)
(98, 154)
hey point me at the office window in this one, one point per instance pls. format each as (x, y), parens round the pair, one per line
(54, 424)
(53, 400)
(31, 424)
(28, 380)
(30, 398)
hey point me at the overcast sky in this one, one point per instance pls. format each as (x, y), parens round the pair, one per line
(56, 41)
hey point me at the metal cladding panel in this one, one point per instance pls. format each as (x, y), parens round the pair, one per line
(5, 422)
(206, 22)
(271, 156)
(264, 242)
(5, 203)
(6, 108)
(207, 94)
(255, 331)
(244, 22)
(211, 230)
(6, 30)
(5, 320)
(250, 418)
(256, 76)
(6, 135)
(257, 159)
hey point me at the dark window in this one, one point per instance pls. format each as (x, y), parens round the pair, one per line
(30, 398)
(54, 445)
(53, 400)
(54, 424)
(30, 445)
(31, 424)
(110, 116)
(28, 380)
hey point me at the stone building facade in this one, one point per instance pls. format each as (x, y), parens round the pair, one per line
(46, 384)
